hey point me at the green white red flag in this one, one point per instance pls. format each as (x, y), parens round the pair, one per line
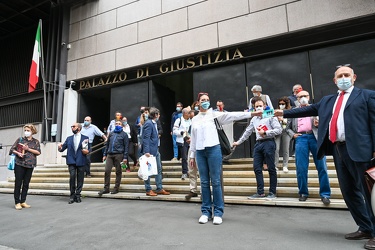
(34, 69)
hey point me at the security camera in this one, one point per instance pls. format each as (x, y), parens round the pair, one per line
(68, 46)
(63, 44)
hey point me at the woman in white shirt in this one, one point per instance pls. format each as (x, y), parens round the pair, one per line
(205, 149)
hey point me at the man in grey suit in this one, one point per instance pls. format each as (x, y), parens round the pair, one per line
(346, 130)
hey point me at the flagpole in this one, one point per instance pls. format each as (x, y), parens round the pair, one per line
(44, 82)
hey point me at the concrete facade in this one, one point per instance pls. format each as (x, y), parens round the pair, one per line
(126, 33)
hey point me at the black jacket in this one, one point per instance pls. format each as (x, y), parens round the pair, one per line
(117, 143)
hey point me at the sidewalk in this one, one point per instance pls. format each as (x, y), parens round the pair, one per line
(97, 223)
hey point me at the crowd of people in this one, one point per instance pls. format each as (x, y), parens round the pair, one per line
(318, 129)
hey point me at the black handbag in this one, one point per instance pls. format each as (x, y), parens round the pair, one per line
(223, 139)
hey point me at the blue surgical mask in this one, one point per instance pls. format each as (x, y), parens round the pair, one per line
(117, 129)
(344, 83)
(205, 105)
(124, 123)
(157, 119)
(146, 116)
(178, 109)
(86, 123)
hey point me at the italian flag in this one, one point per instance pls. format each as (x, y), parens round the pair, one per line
(34, 69)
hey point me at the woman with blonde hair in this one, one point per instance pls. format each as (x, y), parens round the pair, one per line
(26, 149)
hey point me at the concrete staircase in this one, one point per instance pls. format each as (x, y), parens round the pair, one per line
(239, 183)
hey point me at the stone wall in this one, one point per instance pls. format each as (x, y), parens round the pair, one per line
(109, 35)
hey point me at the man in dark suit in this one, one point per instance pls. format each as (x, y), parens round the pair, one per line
(346, 130)
(150, 143)
(78, 147)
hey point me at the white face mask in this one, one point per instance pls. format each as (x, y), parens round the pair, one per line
(27, 133)
(282, 106)
(304, 101)
(259, 109)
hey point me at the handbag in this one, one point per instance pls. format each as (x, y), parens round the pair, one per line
(147, 167)
(370, 176)
(223, 139)
(11, 163)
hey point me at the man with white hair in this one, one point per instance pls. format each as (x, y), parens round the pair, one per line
(257, 91)
(293, 98)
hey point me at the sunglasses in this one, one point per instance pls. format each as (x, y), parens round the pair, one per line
(201, 93)
(344, 65)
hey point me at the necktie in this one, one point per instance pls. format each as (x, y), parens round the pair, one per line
(333, 127)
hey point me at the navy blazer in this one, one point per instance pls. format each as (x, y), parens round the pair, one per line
(150, 138)
(73, 158)
(359, 119)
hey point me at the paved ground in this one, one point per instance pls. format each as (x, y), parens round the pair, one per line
(97, 223)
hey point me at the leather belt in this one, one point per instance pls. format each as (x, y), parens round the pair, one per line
(264, 140)
(306, 132)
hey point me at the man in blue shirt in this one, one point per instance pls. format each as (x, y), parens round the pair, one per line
(90, 130)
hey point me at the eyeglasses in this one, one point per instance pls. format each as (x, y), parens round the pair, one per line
(302, 96)
(344, 65)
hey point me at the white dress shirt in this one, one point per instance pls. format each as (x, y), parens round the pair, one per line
(340, 119)
(203, 129)
(77, 139)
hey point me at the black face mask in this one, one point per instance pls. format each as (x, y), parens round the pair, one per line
(75, 131)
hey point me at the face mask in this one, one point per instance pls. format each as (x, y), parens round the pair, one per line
(86, 124)
(259, 109)
(157, 119)
(255, 94)
(27, 133)
(124, 123)
(178, 109)
(118, 128)
(196, 108)
(303, 101)
(205, 105)
(344, 83)
(75, 131)
(282, 106)
(146, 116)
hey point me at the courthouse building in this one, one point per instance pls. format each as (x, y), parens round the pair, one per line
(106, 55)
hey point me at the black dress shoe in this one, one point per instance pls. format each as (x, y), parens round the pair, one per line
(302, 197)
(115, 191)
(78, 200)
(358, 235)
(71, 201)
(104, 191)
(370, 244)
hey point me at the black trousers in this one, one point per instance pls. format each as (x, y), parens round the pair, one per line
(88, 162)
(353, 188)
(23, 177)
(183, 149)
(76, 180)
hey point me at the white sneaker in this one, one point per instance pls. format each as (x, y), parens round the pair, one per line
(203, 219)
(218, 220)
(285, 170)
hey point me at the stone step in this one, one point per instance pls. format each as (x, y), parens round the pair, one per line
(178, 189)
(279, 201)
(176, 181)
(227, 174)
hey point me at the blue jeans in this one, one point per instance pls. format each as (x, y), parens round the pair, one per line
(175, 147)
(209, 161)
(265, 151)
(304, 144)
(158, 178)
